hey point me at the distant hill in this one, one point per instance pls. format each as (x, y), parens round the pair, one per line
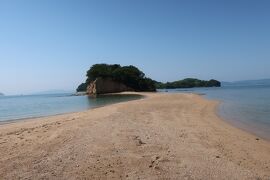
(1, 94)
(258, 82)
(188, 83)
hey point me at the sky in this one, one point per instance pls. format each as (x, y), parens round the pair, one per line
(50, 44)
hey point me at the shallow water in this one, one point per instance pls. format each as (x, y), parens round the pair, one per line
(247, 107)
(21, 107)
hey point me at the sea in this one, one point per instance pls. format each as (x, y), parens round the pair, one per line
(246, 107)
(13, 108)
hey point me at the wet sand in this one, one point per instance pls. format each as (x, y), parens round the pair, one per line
(164, 136)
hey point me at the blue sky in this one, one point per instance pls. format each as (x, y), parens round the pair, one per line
(50, 44)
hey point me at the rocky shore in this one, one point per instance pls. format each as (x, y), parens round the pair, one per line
(105, 86)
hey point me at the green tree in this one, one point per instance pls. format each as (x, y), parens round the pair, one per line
(213, 83)
(101, 70)
(131, 76)
(82, 87)
(188, 83)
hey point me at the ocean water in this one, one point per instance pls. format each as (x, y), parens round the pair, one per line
(246, 107)
(21, 107)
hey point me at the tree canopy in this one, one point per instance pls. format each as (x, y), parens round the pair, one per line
(188, 83)
(131, 76)
(82, 87)
(134, 78)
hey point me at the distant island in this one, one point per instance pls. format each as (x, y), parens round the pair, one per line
(1, 94)
(104, 78)
(188, 83)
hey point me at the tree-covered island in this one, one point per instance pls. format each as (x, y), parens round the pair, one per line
(188, 83)
(131, 78)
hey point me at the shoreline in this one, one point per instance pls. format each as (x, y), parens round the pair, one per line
(182, 132)
(25, 119)
(242, 126)
(230, 122)
(239, 125)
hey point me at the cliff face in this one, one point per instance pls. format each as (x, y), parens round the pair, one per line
(106, 85)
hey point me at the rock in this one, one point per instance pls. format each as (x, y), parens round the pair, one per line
(106, 85)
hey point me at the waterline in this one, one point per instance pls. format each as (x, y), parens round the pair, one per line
(246, 107)
(25, 107)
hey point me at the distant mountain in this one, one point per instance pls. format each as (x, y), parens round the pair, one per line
(258, 82)
(1, 94)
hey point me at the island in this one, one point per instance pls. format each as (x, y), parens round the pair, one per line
(163, 136)
(1, 94)
(188, 83)
(105, 78)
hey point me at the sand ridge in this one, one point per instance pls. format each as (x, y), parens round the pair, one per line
(164, 136)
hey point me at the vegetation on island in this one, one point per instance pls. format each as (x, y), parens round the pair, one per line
(134, 78)
(188, 83)
(131, 76)
(82, 87)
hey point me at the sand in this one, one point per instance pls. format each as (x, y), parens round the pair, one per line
(164, 136)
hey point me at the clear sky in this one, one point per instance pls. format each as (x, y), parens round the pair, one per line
(49, 44)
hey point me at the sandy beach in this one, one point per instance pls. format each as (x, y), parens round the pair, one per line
(164, 136)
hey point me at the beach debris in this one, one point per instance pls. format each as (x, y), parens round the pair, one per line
(138, 140)
(112, 171)
(257, 139)
(217, 156)
(154, 162)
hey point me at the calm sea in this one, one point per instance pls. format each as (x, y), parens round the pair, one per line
(21, 107)
(247, 107)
